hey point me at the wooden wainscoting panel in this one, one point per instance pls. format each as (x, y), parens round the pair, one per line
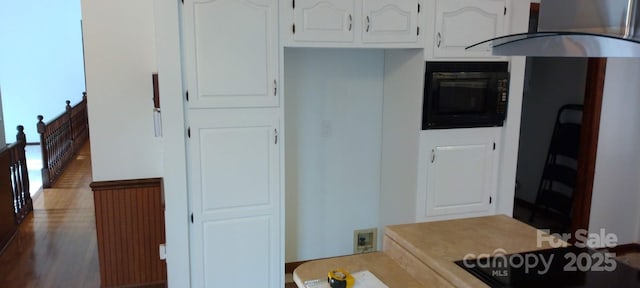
(130, 229)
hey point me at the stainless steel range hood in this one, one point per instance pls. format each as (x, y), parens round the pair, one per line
(576, 28)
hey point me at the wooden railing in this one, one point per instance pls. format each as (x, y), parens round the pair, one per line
(61, 138)
(15, 200)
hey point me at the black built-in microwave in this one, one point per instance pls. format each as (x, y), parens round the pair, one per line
(465, 94)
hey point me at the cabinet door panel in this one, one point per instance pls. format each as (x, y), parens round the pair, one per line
(243, 248)
(231, 49)
(460, 23)
(324, 20)
(390, 21)
(457, 173)
(459, 179)
(234, 180)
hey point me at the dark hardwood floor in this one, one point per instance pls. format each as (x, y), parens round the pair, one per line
(56, 246)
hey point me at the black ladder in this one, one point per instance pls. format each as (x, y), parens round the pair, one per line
(558, 181)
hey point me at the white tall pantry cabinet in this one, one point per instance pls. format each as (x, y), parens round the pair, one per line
(233, 147)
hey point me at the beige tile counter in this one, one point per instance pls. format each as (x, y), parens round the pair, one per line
(423, 254)
(383, 267)
(439, 244)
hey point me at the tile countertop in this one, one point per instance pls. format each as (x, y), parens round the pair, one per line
(439, 244)
(383, 267)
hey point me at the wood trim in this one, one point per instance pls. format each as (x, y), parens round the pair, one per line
(289, 267)
(130, 228)
(534, 8)
(594, 91)
(624, 249)
(98, 186)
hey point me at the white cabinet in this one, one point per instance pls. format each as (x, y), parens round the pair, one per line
(235, 196)
(352, 23)
(323, 20)
(231, 49)
(461, 23)
(457, 173)
(390, 21)
(233, 142)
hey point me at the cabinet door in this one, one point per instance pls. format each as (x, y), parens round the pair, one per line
(387, 21)
(459, 178)
(324, 20)
(457, 173)
(460, 23)
(234, 191)
(231, 49)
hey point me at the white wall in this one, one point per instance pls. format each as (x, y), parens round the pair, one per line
(120, 58)
(552, 82)
(333, 114)
(511, 129)
(41, 62)
(167, 19)
(616, 187)
(401, 125)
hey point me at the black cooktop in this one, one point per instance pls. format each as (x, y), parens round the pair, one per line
(558, 267)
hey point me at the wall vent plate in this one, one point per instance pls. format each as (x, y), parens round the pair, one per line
(365, 240)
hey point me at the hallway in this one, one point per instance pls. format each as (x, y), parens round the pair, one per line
(56, 245)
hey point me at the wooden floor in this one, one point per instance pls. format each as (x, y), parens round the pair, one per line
(56, 245)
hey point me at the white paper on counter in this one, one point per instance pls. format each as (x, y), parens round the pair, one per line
(364, 279)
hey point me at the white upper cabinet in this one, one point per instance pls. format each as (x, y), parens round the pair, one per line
(350, 23)
(324, 20)
(461, 23)
(390, 21)
(457, 173)
(241, 37)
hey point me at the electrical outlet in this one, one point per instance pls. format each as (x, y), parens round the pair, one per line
(365, 240)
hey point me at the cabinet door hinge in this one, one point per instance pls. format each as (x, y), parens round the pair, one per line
(275, 87)
(433, 155)
(186, 94)
(490, 199)
(275, 133)
(494, 146)
(294, 4)
(294, 28)
(189, 132)
(418, 7)
(182, 1)
(505, 10)
(418, 31)
(191, 217)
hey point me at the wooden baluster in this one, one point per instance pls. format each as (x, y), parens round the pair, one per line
(21, 138)
(45, 154)
(69, 136)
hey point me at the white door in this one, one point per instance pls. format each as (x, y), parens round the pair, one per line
(324, 20)
(461, 23)
(459, 178)
(387, 21)
(231, 51)
(235, 188)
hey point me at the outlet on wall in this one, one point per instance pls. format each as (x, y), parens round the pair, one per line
(364, 241)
